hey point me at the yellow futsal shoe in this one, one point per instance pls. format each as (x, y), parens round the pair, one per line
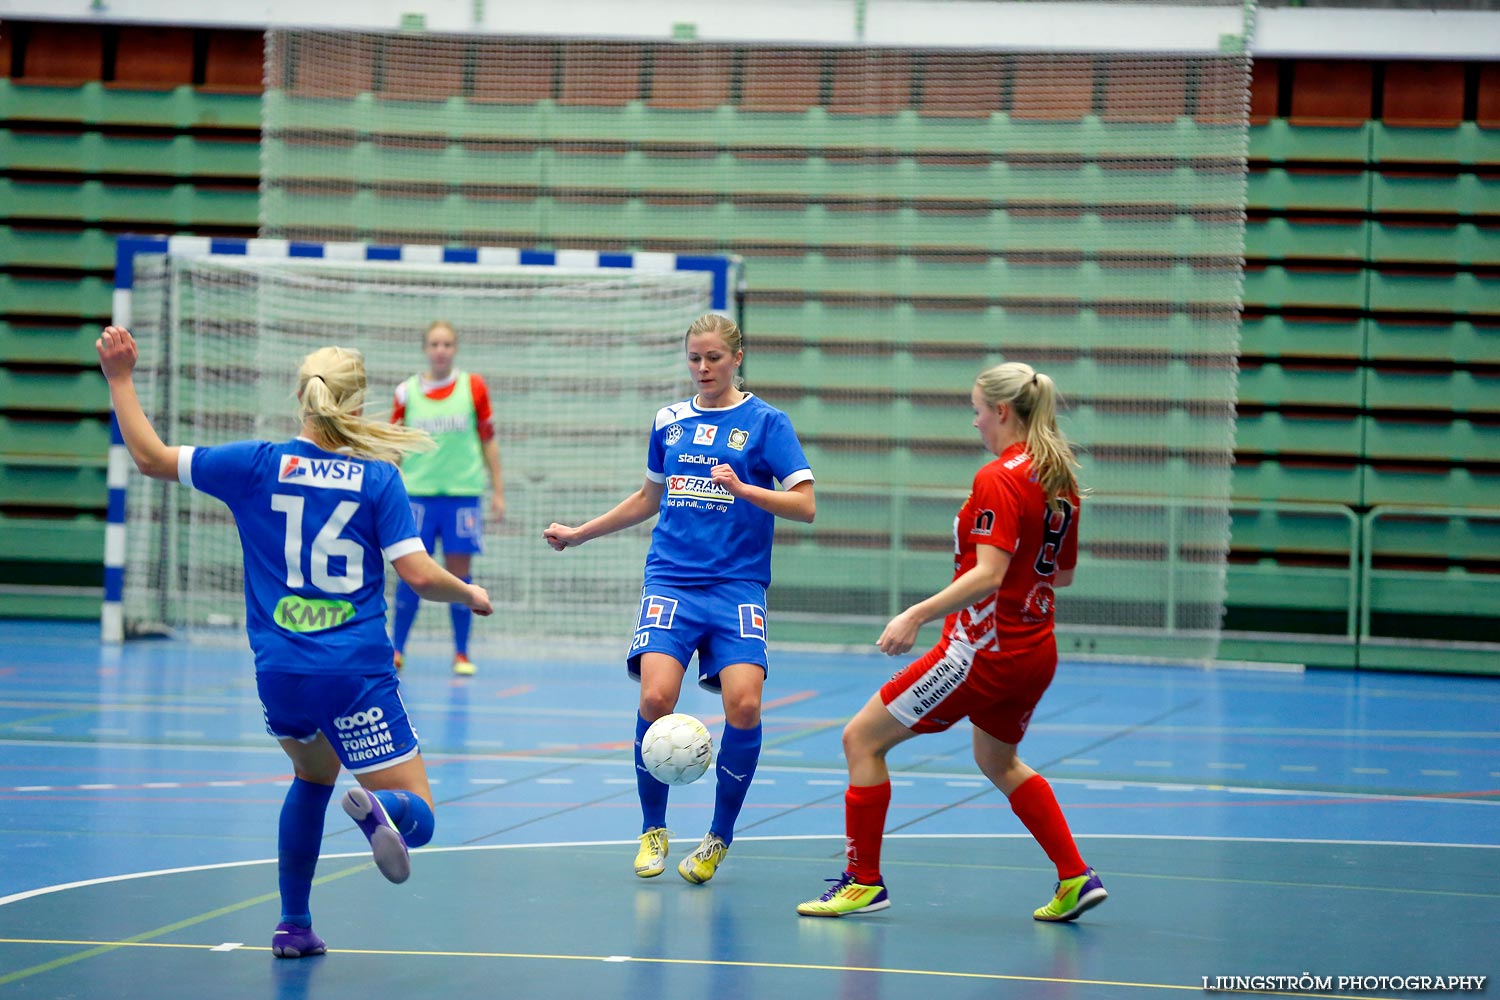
(461, 666)
(651, 859)
(846, 898)
(1073, 897)
(700, 866)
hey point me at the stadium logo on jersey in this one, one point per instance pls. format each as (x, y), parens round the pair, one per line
(738, 439)
(657, 612)
(674, 434)
(704, 434)
(322, 473)
(753, 622)
(695, 459)
(698, 488)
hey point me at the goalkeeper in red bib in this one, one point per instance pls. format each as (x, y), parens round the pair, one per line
(448, 484)
(1015, 539)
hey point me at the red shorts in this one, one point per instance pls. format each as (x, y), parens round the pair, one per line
(996, 691)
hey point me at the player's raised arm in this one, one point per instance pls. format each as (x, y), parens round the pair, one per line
(117, 356)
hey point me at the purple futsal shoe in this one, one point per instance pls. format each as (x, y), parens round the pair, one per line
(386, 842)
(293, 941)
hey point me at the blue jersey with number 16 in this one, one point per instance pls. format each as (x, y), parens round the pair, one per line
(316, 528)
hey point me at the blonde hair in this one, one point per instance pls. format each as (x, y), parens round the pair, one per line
(724, 327)
(439, 324)
(1034, 397)
(331, 395)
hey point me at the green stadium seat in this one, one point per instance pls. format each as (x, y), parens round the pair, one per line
(1311, 383)
(53, 391)
(1278, 189)
(71, 486)
(1460, 194)
(85, 297)
(1275, 286)
(1281, 141)
(85, 249)
(94, 104)
(1462, 293)
(97, 153)
(53, 540)
(1441, 439)
(1457, 391)
(179, 205)
(1291, 239)
(1429, 486)
(1327, 481)
(1274, 433)
(84, 442)
(1463, 244)
(1279, 336)
(48, 343)
(1464, 143)
(1458, 340)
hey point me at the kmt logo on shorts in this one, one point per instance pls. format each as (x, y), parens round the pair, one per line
(657, 612)
(753, 622)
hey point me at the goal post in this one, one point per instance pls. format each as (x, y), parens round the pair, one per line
(579, 348)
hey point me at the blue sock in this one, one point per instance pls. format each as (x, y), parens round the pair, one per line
(653, 793)
(298, 839)
(407, 603)
(739, 752)
(462, 619)
(410, 813)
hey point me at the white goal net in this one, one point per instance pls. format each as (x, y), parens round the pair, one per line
(577, 362)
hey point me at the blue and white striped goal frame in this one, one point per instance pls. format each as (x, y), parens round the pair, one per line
(727, 275)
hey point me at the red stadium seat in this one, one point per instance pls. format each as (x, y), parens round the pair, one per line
(1487, 110)
(601, 74)
(781, 80)
(1053, 88)
(870, 83)
(333, 66)
(1265, 90)
(423, 69)
(690, 78)
(64, 55)
(962, 86)
(153, 58)
(235, 62)
(1328, 92)
(1423, 94)
(1142, 91)
(515, 73)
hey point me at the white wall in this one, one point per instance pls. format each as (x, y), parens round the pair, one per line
(1035, 26)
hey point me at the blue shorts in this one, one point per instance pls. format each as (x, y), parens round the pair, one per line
(362, 716)
(457, 521)
(724, 623)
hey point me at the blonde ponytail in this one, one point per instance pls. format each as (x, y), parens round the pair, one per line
(1034, 397)
(331, 396)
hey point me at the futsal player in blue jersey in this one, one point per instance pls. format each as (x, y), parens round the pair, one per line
(712, 465)
(318, 516)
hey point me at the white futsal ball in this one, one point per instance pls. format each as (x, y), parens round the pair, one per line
(677, 749)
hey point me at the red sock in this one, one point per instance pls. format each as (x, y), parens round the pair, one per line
(864, 827)
(1037, 807)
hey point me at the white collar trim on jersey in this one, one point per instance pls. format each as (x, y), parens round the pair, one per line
(428, 385)
(720, 409)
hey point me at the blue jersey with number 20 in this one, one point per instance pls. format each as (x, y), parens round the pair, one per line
(316, 528)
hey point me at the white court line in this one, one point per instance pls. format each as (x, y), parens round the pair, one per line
(365, 854)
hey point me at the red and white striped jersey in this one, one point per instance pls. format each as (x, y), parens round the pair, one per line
(1007, 509)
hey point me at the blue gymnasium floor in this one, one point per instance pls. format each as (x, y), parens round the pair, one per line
(1245, 823)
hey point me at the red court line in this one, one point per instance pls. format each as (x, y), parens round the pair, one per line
(519, 689)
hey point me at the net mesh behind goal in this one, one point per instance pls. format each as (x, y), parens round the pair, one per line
(908, 216)
(577, 363)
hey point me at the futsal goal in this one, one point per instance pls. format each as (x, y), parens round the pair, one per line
(579, 349)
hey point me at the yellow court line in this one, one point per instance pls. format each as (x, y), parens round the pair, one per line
(143, 940)
(719, 963)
